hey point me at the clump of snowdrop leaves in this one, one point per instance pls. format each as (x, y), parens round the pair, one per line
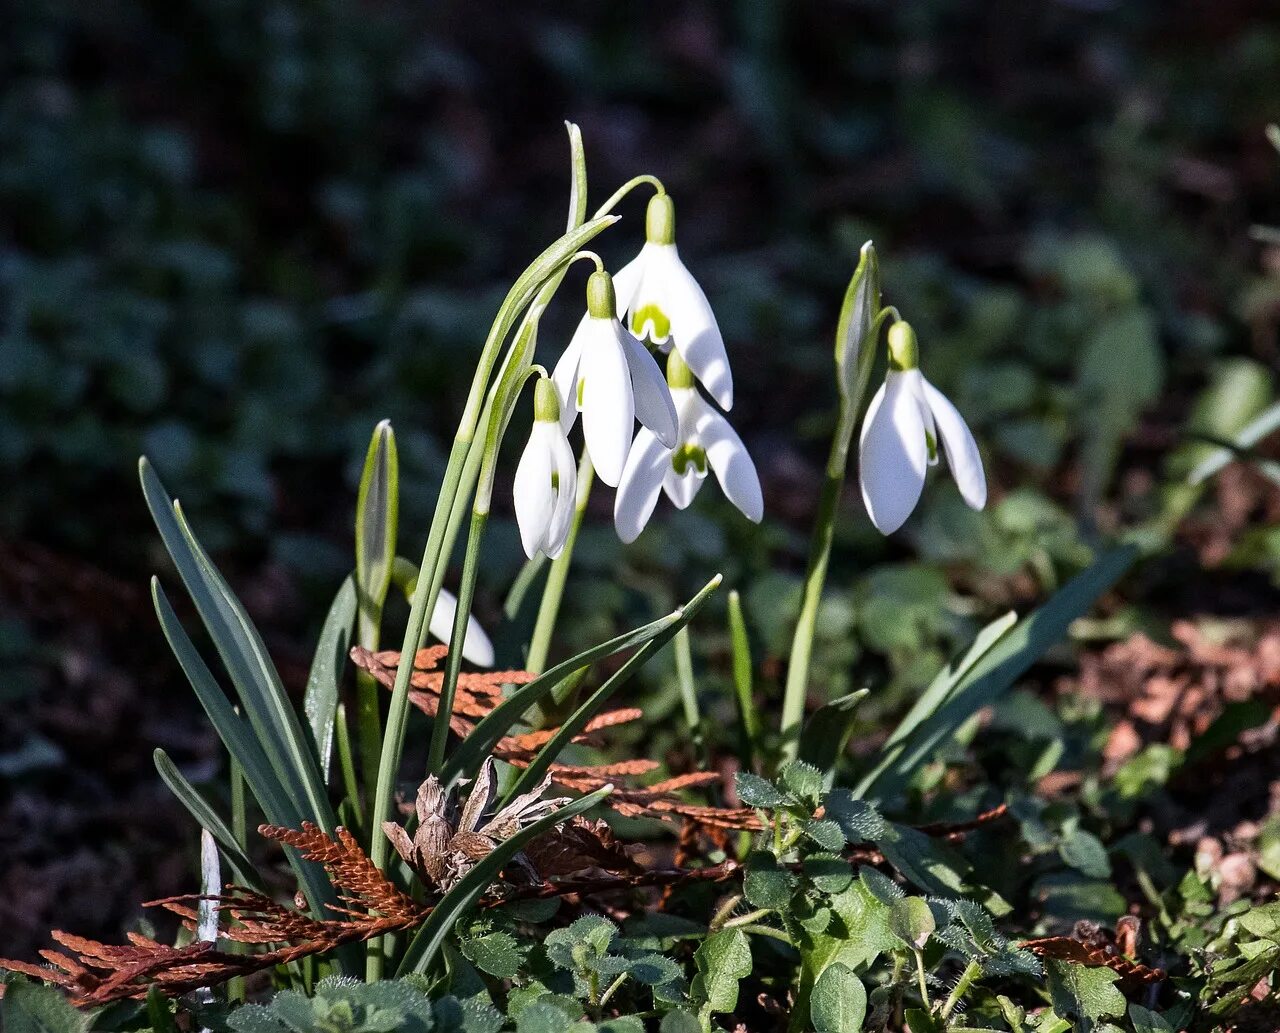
(900, 436)
(546, 479)
(610, 377)
(704, 440)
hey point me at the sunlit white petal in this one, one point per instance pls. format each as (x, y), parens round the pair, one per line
(566, 472)
(694, 330)
(533, 493)
(654, 408)
(626, 281)
(476, 646)
(733, 467)
(608, 409)
(962, 450)
(565, 375)
(893, 453)
(640, 484)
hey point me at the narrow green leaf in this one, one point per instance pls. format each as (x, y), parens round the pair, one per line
(531, 775)
(243, 653)
(463, 895)
(748, 714)
(320, 701)
(277, 804)
(207, 818)
(479, 744)
(236, 736)
(995, 672)
(827, 731)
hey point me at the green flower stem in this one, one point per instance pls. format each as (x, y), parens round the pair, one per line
(688, 687)
(626, 188)
(750, 745)
(553, 590)
(346, 762)
(970, 973)
(815, 577)
(920, 976)
(453, 659)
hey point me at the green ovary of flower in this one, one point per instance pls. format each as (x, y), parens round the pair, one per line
(687, 455)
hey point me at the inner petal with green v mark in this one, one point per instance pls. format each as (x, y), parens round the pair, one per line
(654, 316)
(687, 455)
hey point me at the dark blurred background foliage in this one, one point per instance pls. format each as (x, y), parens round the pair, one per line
(234, 234)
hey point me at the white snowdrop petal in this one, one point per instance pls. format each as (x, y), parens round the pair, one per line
(532, 493)
(626, 281)
(962, 450)
(893, 454)
(682, 488)
(654, 407)
(693, 325)
(566, 492)
(608, 409)
(640, 484)
(565, 375)
(728, 457)
(476, 646)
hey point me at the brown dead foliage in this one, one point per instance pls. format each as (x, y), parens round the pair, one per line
(1173, 694)
(478, 693)
(1090, 944)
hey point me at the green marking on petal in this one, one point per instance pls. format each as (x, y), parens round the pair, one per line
(932, 442)
(581, 382)
(555, 480)
(651, 314)
(689, 455)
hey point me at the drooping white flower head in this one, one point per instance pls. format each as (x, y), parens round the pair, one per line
(476, 647)
(660, 299)
(610, 377)
(704, 440)
(546, 479)
(900, 436)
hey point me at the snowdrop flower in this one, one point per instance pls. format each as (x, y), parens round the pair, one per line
(704, 440)
(610, 377)
(900, 439)
(664, 302)
(545, 479)
(476, 647)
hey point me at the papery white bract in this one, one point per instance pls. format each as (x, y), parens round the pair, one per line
(661, 300)
(705, 441)
(610, 377)
(900, 436)
(546, 479)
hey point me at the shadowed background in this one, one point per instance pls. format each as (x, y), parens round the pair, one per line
(234, 235)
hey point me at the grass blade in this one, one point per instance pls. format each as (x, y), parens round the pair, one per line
(320, 701)
(243, 654)
(751, 746)
(827, 730)
(1000, 666)
(479, 744)
(422, 949)
(199, 808)
(532, 775)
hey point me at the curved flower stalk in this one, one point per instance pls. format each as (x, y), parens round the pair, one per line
(546, 479)
(900, 438)
(704, 441)
(663, 302)
(609, 376)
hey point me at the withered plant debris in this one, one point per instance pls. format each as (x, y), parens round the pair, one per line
(478, 693)
(1090, 944)
(447, 844)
